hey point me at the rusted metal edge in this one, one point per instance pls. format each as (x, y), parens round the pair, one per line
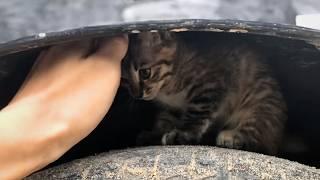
(311, 36)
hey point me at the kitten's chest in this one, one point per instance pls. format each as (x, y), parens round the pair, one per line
(174, 100)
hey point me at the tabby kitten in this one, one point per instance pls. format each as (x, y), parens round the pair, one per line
(221, 86)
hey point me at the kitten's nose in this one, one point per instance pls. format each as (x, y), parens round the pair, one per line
(135, 92)
(138, 94)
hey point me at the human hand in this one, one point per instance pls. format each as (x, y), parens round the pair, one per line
(62, 100)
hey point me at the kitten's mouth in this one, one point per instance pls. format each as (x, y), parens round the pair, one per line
(140, 97)
(143, 98)
(147, 98)
(150, 96)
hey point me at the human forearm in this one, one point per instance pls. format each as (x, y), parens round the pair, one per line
(62, 100)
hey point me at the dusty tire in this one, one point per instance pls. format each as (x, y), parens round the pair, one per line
(179, 162)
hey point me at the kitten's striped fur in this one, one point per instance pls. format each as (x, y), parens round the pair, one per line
(200, 88)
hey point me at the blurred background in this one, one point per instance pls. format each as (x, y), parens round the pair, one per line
(27, 17)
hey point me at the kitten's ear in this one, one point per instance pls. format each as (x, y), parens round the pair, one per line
(163, 37)
(151, 39)
(167, 36)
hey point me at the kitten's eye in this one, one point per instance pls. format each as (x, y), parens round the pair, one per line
(145, 73)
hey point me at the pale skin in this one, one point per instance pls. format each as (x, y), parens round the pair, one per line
(63, 99)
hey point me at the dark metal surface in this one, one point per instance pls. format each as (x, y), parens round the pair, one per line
(20, 18)
(270, 29)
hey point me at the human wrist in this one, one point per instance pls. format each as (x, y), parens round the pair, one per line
(33, 147)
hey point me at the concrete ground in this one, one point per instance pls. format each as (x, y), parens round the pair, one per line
(20, 18)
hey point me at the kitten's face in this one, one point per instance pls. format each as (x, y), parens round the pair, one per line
(149, 66)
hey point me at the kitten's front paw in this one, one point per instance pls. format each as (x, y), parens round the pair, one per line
(177, 137)
(169, 138)
(230, 139)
